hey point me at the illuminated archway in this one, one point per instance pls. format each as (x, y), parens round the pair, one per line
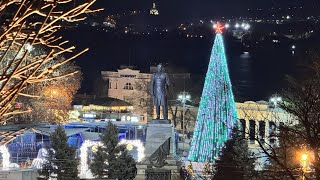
(136, 143)
(5, 156)
(84, 167)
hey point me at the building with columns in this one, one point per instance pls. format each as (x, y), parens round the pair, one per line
(260, 121)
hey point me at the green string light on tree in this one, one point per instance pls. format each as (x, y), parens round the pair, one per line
(217, 111)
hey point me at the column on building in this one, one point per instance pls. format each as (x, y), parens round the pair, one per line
(247, 128)
(257, 129)
(252, 131)
(243, 127)
(262, 131)
(267, 132)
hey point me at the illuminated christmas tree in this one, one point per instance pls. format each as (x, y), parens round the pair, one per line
(217, 110)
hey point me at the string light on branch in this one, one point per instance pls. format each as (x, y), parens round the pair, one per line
(20, 68)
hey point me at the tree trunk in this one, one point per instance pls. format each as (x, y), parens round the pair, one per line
(181, 120)
(174, 115)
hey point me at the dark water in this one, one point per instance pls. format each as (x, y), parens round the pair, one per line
(255, 75)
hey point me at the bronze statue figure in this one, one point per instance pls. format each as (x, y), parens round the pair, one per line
(159, 86)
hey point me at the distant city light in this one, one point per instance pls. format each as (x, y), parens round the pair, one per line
(214, 25)
(246, 27)
(293, 47)
(226, 25)
(237, 25)
(288, 17)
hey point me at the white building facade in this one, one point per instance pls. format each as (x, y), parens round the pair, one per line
(261, 121)
(131, 86)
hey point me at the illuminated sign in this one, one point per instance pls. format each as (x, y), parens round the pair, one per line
(89, 115)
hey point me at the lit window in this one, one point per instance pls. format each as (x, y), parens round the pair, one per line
(128, 86)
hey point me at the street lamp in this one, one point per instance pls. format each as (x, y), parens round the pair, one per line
(183, 98)
(304, 161)
(293, 47)
(275, 100)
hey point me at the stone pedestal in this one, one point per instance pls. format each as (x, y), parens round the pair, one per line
(141, 173)
(158, 131)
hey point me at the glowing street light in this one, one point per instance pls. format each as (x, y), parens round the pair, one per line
(275, 100)
(226, 25)
(304, 157)
(214, 25)
(183, 98)
(237, 26)
(293, 47)
(247, 26)
(304, 163)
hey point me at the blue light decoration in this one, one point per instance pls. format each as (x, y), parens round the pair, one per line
(217, 111)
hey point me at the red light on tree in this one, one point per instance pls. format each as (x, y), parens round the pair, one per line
(219, 28)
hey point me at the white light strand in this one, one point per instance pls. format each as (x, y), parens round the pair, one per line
(84, 167)
(136, 143)
(5, 156)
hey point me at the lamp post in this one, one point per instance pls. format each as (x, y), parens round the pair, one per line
(183, 97)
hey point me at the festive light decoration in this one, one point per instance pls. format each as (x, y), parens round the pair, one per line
(190, 169)
(136, 143)
(5, 156)
(217, 111)
(84, 167)
(129, 147)
(218, 28)
(41, 159)
(207, 169)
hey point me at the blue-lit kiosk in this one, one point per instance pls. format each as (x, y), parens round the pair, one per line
(27, 145)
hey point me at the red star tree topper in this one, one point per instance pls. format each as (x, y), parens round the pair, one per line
(219, 28)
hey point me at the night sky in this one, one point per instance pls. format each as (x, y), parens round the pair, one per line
(185, 9)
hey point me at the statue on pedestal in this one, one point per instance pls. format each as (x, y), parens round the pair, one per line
(159, 86)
